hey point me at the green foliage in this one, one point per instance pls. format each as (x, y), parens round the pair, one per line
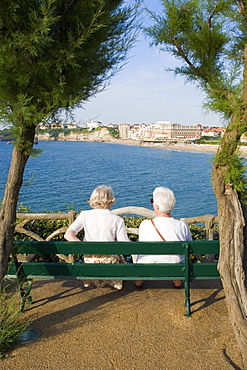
(44, 228)
(184, 31)
(209, 39)
(203, 35)
(58, 55)
(208, 140)
(54, 56)
(236, 171)
(198, 232)
(113, 132)
(23, 208)
(133, 222)
(11, 325)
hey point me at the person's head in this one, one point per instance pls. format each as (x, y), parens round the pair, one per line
(164, 198)
(102, 197)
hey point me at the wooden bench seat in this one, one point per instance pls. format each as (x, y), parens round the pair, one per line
(25, 272)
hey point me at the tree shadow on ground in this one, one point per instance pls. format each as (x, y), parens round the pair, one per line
(208, 301)
(73, 291)
(236, 367)
(61, 295)
(73, 315)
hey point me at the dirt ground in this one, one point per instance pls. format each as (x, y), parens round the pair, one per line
(104, 329)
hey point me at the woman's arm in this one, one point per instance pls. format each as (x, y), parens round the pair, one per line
(70, 235)
(121, 234)
(77, 225)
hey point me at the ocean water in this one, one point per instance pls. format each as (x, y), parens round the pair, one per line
(65, 174)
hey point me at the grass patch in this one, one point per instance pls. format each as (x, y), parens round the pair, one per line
(12, 325)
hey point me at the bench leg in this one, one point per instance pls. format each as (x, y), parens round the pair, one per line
(187, 280)
(25, 289)
(25, 284)
(187, 298)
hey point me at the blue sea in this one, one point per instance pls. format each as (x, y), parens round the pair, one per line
(64, 175)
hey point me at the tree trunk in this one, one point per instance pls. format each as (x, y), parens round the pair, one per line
(20, 155)
(232, 251)
(245, 243)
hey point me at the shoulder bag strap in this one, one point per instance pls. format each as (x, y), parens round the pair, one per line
(158, 231)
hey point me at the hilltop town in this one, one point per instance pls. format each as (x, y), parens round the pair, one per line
(159, 131)
(144, 134)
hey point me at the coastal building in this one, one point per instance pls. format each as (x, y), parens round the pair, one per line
(212, 131)
(42, 127)
(133, 132)
(113, 125)
(54, 125)
(93, 124)
(123, 130)
(164, 130)
(72, 125)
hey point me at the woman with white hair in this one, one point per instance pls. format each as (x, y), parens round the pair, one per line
(163, 227)
(100, 224)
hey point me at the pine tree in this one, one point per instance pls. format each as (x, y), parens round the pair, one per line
(54, 55)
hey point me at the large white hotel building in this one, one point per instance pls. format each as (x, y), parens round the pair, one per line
(162, 130)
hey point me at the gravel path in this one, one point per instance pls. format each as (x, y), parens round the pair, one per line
(104, 329)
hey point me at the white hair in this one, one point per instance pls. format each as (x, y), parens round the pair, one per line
(164, 198)
(102, 197)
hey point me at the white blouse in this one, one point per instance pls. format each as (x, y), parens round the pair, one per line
(100, 225)
(171, 230)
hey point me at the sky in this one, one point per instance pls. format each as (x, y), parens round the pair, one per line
(143, 92)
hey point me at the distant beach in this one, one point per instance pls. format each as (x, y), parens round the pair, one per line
(103, 136)
(200, 148)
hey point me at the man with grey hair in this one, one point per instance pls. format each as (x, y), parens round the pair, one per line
(163, 227)
(164, 198)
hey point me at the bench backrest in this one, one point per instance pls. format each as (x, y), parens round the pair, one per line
(182, 271)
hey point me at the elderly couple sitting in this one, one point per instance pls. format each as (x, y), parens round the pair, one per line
(100, 224)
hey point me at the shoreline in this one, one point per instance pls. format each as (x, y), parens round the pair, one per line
(196, 148)
(203, 148)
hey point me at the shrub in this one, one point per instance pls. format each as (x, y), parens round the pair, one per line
(11, 325)
(133, 222)
(46, 227)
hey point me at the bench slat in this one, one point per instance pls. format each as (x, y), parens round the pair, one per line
(204, 271)
(60, 247)
(117, 271)
(103, 271)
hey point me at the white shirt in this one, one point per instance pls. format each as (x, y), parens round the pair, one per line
(171, 230)
(100, 225)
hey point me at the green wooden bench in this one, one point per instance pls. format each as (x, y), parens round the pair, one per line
(187, 271)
